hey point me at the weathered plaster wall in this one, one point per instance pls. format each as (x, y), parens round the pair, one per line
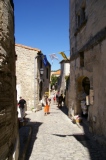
(44, 78)
(77, 72)
(94, 11)
(8, 109)
(46, 82)
(91, 40)
(29, 79)
(65, 71)
(95, 70)
(25, 73)
(98, 110)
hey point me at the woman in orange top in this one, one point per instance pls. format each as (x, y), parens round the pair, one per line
(47, 106)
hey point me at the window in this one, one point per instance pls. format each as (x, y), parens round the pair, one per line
(47, 73)
(82, 59)
(40, 63)
(72, 50)
(81, 19)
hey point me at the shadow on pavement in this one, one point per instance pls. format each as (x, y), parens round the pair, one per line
(35, 128)
(22, 123)
(83, 139)
(64, 109)
(96, 150)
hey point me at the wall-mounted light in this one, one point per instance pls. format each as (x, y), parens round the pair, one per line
(41, 70)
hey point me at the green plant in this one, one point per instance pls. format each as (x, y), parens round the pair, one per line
(53, 80)
(66, 78)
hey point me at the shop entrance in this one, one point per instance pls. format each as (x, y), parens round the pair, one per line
(86, 85)
(85, 101)
(83, 89)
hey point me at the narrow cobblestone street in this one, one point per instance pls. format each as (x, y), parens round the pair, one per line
(55, 137)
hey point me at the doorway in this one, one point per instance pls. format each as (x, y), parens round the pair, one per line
(85, 102)
(83, 89)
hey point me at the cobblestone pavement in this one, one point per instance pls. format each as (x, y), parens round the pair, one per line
(55, 137)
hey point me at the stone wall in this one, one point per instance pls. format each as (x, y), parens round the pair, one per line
(42, 81)
(46, 80)
(95, 12)
(8, 106)
(98, 109)
(88, 37)
(65, 71)
(26, 67)
(31, 85)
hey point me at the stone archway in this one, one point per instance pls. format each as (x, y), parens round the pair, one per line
(86, 85)
(82, 91)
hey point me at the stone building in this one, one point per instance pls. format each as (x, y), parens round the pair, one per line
(8, 113)
(42, 77)
(33, 77)
(56, 73)
(88, 62)
(65, 71)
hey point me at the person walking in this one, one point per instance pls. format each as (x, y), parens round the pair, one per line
(57, 98)
(54, 98)
(22, 104)
(60, 100)
(47, 105)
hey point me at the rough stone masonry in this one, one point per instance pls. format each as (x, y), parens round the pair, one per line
(8, 112)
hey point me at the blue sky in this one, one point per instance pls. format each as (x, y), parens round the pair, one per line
(43, 24)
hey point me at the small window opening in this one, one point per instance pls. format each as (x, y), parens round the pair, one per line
(82, 59)
(72, 50)
(47, 73)
(83, 13)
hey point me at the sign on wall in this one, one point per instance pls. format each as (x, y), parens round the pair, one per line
(91, 96)
(47, 93)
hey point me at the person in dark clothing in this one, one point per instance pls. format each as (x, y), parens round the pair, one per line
(60, 100)
(22, 103)
(57, 98)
